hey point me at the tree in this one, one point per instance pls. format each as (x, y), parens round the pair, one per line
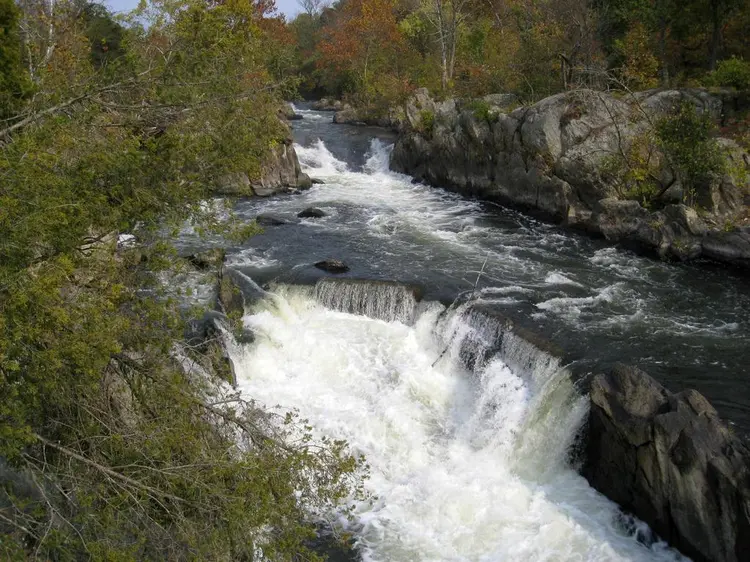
(312, 7)
(447, 17)
(114, 442)
(14, 83)
(363, 42)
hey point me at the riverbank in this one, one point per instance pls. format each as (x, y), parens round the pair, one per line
(575, 159)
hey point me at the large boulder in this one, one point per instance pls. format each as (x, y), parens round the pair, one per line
(281, 172)
(670, 460)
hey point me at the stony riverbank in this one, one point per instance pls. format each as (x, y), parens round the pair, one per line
(555, 159)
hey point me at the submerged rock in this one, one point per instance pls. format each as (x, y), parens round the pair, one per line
(311, 213)
(670, 460)
(332, 266)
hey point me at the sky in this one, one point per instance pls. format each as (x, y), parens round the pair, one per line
(289, 8)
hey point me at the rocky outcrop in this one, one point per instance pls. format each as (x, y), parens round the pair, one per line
(286, 111)
(670, 460)
(553, 159)
(393, 119)
(328, 104)
(280, 173)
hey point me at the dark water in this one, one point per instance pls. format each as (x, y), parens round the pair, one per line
(686, 325)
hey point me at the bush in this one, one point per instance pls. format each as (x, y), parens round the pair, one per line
(734, 73)
(427, 120)
(687, 139)
(482, 110)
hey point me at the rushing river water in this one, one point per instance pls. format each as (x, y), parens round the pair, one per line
(470, 458)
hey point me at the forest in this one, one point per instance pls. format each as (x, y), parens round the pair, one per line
(109, 448)
(377, 51)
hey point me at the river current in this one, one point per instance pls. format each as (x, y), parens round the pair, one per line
(470, 451)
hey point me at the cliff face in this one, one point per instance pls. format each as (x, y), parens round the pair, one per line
(554, 159)
(671, 461)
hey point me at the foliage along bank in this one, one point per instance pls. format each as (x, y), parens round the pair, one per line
(116, 442)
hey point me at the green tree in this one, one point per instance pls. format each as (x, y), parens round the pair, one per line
(115, 442)
(14, 81)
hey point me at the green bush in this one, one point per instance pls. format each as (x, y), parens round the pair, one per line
(687, 139)
(734, 73)
(482, 110)
(427, 120)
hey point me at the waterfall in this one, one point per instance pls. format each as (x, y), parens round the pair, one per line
(382, 300)
(465, 420)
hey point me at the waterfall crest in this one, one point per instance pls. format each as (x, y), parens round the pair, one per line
(381, 300)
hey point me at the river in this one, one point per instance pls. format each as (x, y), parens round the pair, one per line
(470, 458)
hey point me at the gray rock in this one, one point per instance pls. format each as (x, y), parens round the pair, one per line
(326, 104)
(237, 291)
(281, 172)
(208, 259)
(549, 158)
(316, 181)
(501, 100)
(347, 116)
(311, 213)
(731, 247)
(233, 185)
(199, 330)
(286, 111)
(332, 266)
(670, 460)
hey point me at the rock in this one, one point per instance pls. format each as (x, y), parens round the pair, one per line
(316, 181)
(347, 116)
(326, 104)
(237, 291)
(332, 266)
(267, 219)
(199, 330)
(230, 297)
(670, 460)
(281, 172)
(311, 213)
(729, 247)
(208, 259)
(554, 159)
(233, 185)
(286, 111)
(501, 100)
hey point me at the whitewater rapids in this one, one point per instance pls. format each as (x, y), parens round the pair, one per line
(468, 430)
(467, 464)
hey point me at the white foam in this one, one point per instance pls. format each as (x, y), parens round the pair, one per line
(465, 468)
(557, 278)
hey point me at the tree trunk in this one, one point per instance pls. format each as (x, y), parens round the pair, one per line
(663, 53)
(715, 35)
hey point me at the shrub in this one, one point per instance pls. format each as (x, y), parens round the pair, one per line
(482, 110)
(427, 120)
(687, 139)
(734, 73)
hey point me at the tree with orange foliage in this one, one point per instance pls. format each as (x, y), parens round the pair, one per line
(364, 41)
